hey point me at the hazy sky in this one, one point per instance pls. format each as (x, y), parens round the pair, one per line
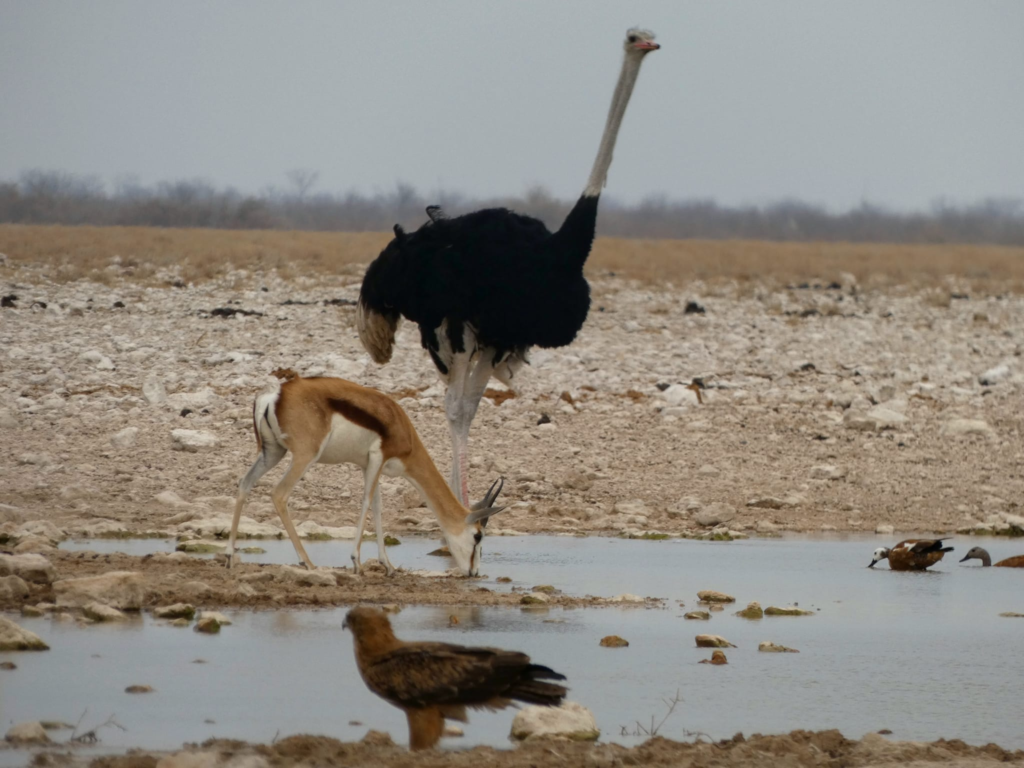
(748, 101)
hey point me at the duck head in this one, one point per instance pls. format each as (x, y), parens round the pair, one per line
(978, 553)
(880, 554)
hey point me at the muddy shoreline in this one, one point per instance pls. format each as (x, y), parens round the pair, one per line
(171, 578)
(797, 749)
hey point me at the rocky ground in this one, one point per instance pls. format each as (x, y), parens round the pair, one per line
(127, 408)
(799, 749)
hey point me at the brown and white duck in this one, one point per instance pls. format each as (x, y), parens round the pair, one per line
(978, 553)
(912, 554)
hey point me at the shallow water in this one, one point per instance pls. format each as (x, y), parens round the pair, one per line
(923, 654)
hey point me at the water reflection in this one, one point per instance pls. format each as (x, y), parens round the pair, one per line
(924, 654)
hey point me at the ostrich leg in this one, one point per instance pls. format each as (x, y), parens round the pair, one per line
(466, 384)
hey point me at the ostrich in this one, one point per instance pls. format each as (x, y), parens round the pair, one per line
(487, 286)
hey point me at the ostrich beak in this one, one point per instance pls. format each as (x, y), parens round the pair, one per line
(647, 45)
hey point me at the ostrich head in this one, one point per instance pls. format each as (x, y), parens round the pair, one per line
(640, 42)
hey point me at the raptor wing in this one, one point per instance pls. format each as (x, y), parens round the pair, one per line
(440, 674)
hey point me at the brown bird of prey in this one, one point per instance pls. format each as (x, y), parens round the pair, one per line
(432, 682)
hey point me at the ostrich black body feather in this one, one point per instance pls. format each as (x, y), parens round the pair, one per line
(515, 283)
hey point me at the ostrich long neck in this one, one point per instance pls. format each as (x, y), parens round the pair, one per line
(570, 246)
(623, 90)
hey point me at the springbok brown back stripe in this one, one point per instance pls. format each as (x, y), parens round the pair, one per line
(357, 415)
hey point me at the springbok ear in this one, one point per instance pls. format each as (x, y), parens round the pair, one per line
(482, 515)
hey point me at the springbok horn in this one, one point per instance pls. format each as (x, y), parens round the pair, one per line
(488, 499)
(483, 515)
(492, 494)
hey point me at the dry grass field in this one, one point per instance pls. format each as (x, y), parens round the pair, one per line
(65, 254)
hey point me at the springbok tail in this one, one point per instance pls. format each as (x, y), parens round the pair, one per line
(264, 415)
(269, 439)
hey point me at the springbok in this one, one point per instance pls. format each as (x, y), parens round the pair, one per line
(333, 421)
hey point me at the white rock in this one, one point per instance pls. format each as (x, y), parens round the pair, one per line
(569, 721)
(42, 528)
(306, 578)
(767, 646)
(30, 567)
(876, 419)
(97, 359)
(124, 590)
(886, 417)
(100, 612)
(885, 529)
(827, 472)
(193, 440)
(125, 438)
(7, 419)
(678, 395)
(171, 499)
(633, 507)
(154, 392)
(27, 733)
(994, 375)
(968, 427)
(1016, 522)
(13, 588)
(767, 502)
(193, 400)
(217, 616)
(34, 544)
(713, 514)
(15, 638)
(309, 529)
(626, 598)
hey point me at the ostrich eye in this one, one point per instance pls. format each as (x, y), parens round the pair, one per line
(632, 38)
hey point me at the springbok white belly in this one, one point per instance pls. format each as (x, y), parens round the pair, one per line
(349, 443)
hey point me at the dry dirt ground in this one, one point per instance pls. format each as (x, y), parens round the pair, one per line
(798, 749)
(827, 406)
